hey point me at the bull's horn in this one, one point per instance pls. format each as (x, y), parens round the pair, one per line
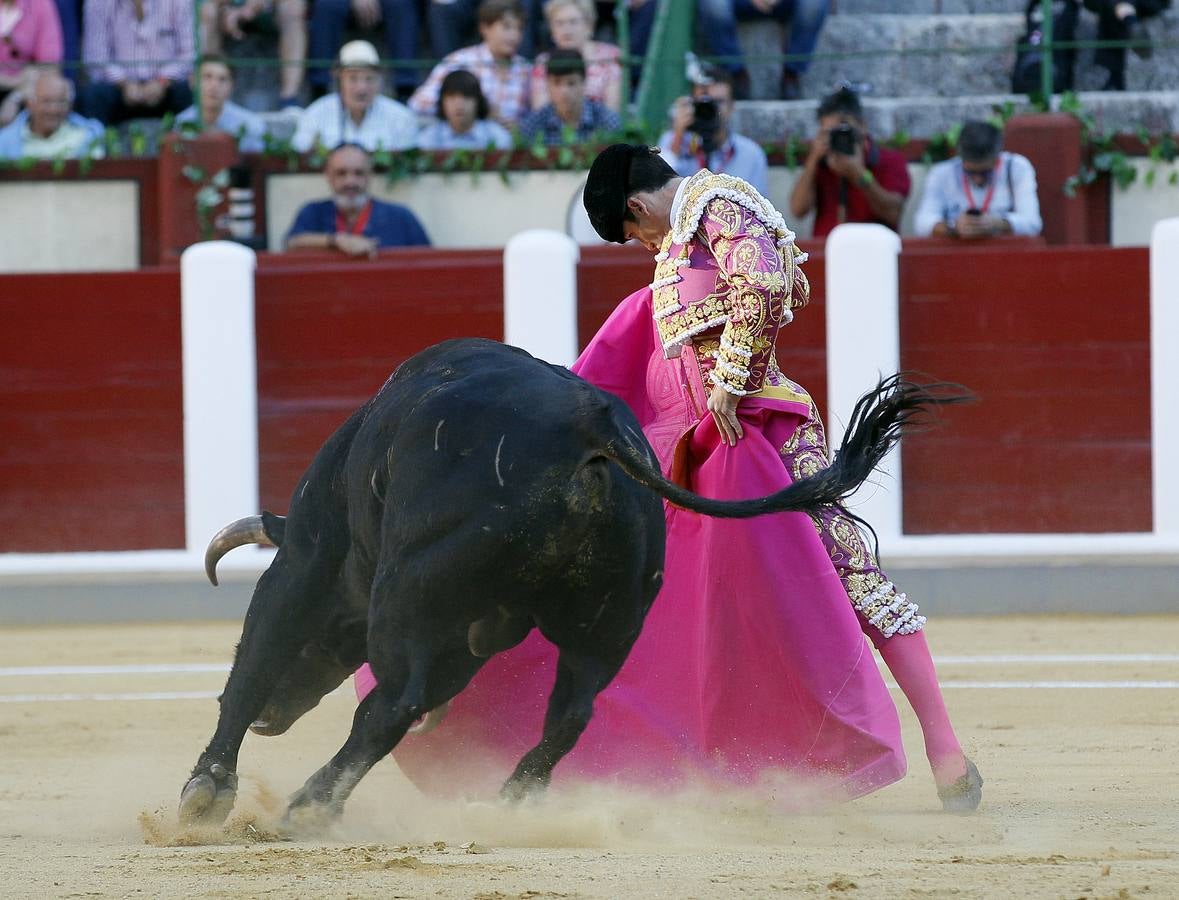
(236, 534)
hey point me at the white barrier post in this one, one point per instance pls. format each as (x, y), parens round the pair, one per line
(1164, 375)
(863, 343)
(220, 388)
(540, 295)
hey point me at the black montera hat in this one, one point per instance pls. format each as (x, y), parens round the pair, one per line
(606, 188)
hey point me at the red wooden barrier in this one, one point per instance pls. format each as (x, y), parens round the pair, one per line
(1053, 340)
(329, 334)
(1056, 345)
(91, 456)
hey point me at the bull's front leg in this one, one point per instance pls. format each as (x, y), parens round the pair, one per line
(580, 679)
(286, 610)
(416, 678)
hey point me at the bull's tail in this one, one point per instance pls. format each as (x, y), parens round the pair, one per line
(877, 422)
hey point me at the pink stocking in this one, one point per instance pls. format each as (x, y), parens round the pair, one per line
(907, 657)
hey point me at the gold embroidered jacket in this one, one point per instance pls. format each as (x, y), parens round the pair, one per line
(729, 265)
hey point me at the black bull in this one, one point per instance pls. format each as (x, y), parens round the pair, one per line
(479, 494)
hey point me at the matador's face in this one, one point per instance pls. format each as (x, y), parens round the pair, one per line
(647, 222)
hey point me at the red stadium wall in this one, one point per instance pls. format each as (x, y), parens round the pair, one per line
(329, 335)
(1053, 340)
(91, 412)
(1056, 344)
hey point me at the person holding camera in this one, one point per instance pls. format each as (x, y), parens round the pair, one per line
(983, 192)
(700, 137)
(847, 176)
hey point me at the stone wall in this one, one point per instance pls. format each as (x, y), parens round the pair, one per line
(861, 40)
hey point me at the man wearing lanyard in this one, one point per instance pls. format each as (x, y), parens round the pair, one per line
(984, 192)
(700, 137)
(352, 222)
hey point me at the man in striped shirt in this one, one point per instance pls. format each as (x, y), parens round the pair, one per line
(359, 113)
(138, 54)
(504, 75)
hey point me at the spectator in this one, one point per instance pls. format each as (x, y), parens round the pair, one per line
(502, 73)
(352, 221)
(47, 129)
(330, 19)
(719, 19)
(30, 33)
(359, 113)
(462, 118)
(452, 24)
(700, 135)
(640, 15)
(71, 38)
(984, 192)
(847, 176)
(234, 18)
(571, 24)
(138, 54)
(218, 113)
(1118, 20)
(570, 117)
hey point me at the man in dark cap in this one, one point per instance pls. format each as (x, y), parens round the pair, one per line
(697, 350)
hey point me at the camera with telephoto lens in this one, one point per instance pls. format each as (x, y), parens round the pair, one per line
(706, 122)
(843, 139)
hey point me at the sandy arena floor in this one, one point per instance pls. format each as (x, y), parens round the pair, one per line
(1073, 723)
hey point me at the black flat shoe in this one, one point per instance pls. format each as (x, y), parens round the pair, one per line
(963, 796)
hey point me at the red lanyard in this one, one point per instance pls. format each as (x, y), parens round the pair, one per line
(726, 157)
(359, 225)
(969, 190)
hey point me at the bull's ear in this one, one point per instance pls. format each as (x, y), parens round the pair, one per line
(274, 526)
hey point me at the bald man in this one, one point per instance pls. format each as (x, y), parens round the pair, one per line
(47, 129)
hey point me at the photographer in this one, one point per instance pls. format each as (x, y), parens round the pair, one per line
(700, 137)
(982, 193)
(847, 176)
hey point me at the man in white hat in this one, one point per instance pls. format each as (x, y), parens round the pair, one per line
(358, 113)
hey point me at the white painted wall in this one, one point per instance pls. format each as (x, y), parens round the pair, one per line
(69, 226)
(460, 212)
(1137, 209)
(456, 210)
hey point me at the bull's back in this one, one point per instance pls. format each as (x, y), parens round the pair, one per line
(482, 448)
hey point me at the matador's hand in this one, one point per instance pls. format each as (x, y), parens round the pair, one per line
(723, 407)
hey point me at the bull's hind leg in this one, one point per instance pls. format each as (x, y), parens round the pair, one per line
(286, 610)
(580, 678)
(418, 679)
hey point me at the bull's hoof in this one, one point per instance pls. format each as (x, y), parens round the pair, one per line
(208, 797)
(307, 821)
(518, 789)
(306, 817)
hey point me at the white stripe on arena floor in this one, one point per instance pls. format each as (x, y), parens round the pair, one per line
(946, 685)
(993, 659)
(978, 660)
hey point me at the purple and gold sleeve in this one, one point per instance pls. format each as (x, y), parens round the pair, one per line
(759, 290)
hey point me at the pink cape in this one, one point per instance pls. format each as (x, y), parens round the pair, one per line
(752, 660)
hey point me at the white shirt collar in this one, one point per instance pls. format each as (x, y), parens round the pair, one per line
(678, 200)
